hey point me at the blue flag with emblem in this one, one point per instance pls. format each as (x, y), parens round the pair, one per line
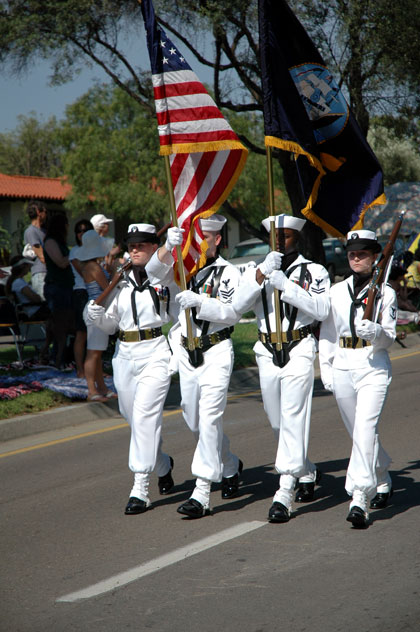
(306, 113)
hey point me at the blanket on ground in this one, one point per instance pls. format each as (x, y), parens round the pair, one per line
(64, 382)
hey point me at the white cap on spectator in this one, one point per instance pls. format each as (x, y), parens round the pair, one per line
(99, 219)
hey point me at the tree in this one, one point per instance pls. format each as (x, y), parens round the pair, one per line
(398, 155)
(364, 38)
(32, 149)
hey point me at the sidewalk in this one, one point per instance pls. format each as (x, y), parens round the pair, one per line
(81, 413)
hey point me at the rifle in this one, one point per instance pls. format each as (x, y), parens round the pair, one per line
(380, 270)
(121, 271)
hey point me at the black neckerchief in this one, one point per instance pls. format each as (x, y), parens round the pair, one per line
(288, 259)
(360, 281)
(140, 284)
(139, 274)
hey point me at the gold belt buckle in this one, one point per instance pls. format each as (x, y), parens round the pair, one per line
(129, 336)
(215, 338)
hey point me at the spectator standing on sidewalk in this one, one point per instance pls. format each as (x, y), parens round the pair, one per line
(34, 235)
(96, 275)
(58, 288)
(80, 298)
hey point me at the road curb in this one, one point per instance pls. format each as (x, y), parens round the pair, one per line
(76, 414)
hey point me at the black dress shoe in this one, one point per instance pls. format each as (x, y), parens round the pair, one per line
(381, 499)
(358, 518)
(305, 492)
(193, 509)
(136, 506)
(230, 486)
(165, 483)
(278, 513)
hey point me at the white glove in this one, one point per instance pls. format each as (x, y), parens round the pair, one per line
(188, 299)
(329, 388)
(174, 237)
(93, 312)
(278, 279)
(366, 330)
(271, 262)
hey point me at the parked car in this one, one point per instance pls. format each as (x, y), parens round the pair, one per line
(336, 260)
(248, 252)
(254, 251)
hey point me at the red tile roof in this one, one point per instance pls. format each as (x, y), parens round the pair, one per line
(28, 187)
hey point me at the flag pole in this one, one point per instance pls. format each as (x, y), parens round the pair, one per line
(279, 344)
(180, 262)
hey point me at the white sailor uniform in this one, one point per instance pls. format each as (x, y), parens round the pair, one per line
(204, 389)
(287, 391)
(140, 366)
(359, 378)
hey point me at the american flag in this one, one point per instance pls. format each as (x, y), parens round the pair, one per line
(206, 156)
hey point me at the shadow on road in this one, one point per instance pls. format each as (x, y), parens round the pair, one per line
(261, 483)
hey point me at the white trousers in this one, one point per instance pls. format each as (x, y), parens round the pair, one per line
(360, 395)
(142, 385)
(287, 399)
(204, 394)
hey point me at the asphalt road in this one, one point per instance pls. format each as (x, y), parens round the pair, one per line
(72, 561)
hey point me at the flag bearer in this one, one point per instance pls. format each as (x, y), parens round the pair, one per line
(204, 387)
(287, 377)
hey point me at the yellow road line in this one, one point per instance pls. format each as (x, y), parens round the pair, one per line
(168, 413)
(406, 355)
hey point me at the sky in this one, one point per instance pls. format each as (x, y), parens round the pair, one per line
(31, 93)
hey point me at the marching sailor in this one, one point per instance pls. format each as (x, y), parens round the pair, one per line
(204, 386)
(140, 363)
(355, 366)
(287, 376)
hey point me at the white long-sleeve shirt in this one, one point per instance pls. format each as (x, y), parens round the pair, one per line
(218, 311)
(119, 314)
(331, 355)
(312, 300)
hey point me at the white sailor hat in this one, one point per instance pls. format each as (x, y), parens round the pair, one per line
(362, 240)
(139, 233)
(214, 223)
(284, 221)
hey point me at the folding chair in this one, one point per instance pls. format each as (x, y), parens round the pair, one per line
(9, 326)
(29, 337)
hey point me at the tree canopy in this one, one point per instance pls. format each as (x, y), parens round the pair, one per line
(32, 149)
(371, 46)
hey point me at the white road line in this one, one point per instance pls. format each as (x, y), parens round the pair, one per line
(160, 562)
